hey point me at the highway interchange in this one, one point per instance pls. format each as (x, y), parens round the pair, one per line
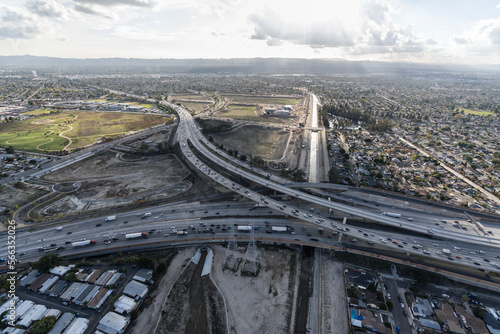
(428, 235)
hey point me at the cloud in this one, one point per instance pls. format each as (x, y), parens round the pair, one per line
(94, 10)
(18, 23)
(109, 3)
(46, 8)
(460, 40)
(270, 26)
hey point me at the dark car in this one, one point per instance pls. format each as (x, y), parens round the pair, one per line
(53, 245)
(97, 225)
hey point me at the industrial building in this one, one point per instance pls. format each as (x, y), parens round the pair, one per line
(93, 276)
(69, 294)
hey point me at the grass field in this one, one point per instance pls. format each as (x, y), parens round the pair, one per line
(476, 112)
(236, 111)
(81, 127)
(263, 99)
(195, 107)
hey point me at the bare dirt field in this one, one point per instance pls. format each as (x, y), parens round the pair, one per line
(261, 304)
(255, 140)
(10, 196)
(112, 178)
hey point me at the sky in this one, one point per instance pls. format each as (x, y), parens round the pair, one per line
(422, 31)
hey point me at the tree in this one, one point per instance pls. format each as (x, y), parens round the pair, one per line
(43, 325)
(9, 150)
(299, 175)
(46, 262)
(389, 304)
(145, 262)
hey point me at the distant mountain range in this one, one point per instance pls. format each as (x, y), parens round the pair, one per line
(236, 65)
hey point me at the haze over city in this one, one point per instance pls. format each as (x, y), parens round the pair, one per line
(463, 32)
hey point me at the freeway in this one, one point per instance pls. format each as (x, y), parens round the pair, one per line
(176, 218)
(189, 131)
(470, 250)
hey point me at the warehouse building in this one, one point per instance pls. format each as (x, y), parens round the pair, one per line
(60, 270)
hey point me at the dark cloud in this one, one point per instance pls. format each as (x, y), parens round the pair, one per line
(47, 8)
(107, 3)
(18, 24)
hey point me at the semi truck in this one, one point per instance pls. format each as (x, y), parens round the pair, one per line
(83, 243)
(259, 205)
(245, 228)
(147, 214)
(182, 232)
(279, 229)
(110, 218)
(136, 235)
(392, 214)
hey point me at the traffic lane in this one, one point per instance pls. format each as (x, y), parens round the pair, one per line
(399, 318)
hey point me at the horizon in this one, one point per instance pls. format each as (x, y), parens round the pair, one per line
(389, 31)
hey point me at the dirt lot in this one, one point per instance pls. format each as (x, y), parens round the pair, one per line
(111, 178)
(11, 196)
(259, 304)
(255, 140)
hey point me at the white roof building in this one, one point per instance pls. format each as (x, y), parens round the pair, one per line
(33, 314)
(112, 323)
(60, 270)
(125, 304)
(77, 326)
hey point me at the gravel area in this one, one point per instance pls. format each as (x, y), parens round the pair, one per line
(259, 304)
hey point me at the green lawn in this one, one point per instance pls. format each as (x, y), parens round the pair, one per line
(476, 112)
(82, 127)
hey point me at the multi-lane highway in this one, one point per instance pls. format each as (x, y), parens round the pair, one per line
(473, 249)
(189, 131)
